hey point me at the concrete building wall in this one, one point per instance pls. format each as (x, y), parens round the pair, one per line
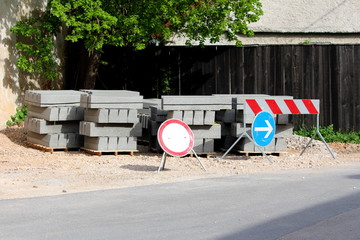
(299, 21)
(12, 82)
(309, 16)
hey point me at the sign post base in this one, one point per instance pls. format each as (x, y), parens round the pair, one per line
(237, 140)
(163, 161)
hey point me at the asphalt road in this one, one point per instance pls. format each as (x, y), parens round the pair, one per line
(311, 204)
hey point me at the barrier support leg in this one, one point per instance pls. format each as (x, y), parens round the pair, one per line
(162, 163)
(237, 140)
(317, 132)
(201, 163)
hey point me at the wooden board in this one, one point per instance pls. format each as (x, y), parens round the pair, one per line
(115, 152)
(51, 149)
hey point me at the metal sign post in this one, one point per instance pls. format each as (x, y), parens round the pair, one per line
(176, 139)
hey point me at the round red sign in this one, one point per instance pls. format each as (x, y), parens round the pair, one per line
(175, 137)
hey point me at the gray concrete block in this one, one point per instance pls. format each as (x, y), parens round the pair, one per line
(249, 118)
(48, 98)
(42, 126)
(205, 131)
(280, 144)
(225, 129)
(106, 101)
(198, 145)
(157, 114)
(153, 127)
(244, 144)
(209, 145)
(225, 116)
(198, 117)
(270, 147)
(144, 120)
(60, 140)
(111, 93)
(225, 142)
(188, 117)
(195, 103)
(282, 119)
(175, 115)
(96, 143)
(92, 129)
(239, 117)
(209, 117)
(152, 102)
(96, 115)
(56, 113)
(238, 128)
(284, 130)
(148, 103)
(121, 115)
(240, 98)
(110, 143)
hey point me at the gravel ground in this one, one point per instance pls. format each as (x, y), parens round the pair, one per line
(28, 172)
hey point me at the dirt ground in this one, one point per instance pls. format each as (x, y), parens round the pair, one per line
(27, 172)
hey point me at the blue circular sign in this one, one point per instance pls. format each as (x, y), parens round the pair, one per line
(263, 129)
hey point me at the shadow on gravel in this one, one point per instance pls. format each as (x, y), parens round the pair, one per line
(16, 134)
(140, 168)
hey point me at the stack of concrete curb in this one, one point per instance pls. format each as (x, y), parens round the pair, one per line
(111, 120)
(157, 117)
(54, 117)
(145, 116)
(234, 123)
(196, 111)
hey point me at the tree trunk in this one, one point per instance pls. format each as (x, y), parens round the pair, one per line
(91, 70)
(81, 67)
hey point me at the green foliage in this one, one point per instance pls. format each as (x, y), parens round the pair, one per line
(135, 23)
(330, 135)
(305, 42)
(18, 117)
(36, 45)
(162, 85)
(129, 23)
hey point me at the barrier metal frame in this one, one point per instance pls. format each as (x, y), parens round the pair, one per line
(245, 134)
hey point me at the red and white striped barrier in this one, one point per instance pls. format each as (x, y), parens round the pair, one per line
(283, 106)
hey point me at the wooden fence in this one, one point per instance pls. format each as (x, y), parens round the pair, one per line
(330, 73)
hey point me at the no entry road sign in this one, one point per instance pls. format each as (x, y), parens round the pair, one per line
(175, 137)
(263, 129)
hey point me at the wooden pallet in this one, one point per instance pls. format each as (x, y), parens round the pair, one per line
(51, 149)
(204, 154)
(113, 152)
(200, 154)
(251, 153)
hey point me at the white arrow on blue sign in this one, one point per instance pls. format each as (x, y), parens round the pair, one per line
(263, 129)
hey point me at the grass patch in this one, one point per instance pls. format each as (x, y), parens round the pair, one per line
(330, 135)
